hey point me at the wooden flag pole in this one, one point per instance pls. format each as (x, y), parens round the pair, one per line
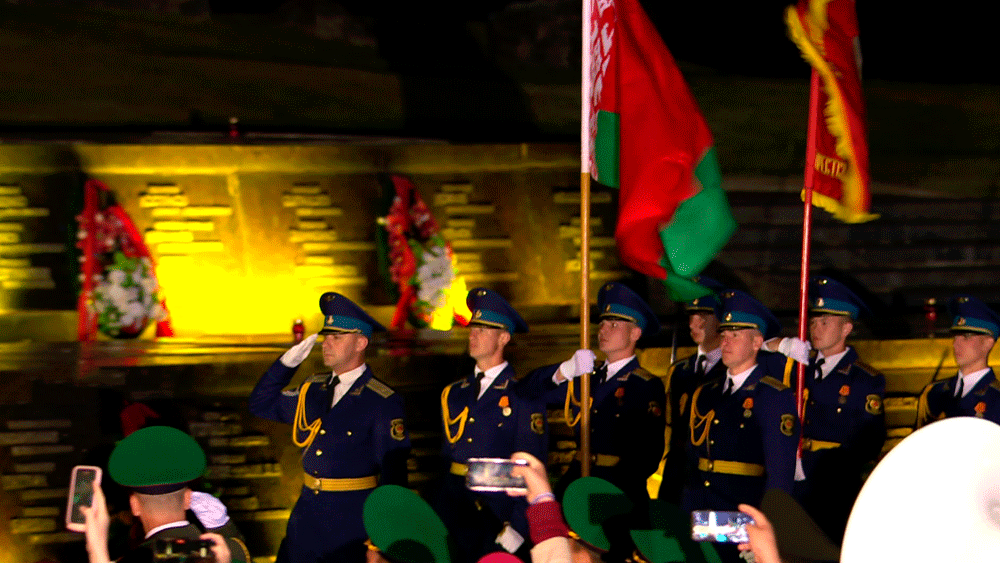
(585, 107)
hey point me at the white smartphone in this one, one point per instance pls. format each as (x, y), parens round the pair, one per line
(81, 493)
(493, 474)
(720, 526)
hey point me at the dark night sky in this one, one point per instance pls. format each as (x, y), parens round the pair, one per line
(900, 40)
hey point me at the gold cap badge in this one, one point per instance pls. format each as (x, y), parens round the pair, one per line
(729, 316)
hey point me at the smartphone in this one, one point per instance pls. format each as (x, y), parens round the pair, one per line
(720, 526)
(493, 474)
(179, 550)
(81, 493)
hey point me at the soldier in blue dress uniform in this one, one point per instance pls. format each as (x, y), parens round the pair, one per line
(975, 390)
(484, 416)
(627, 415)
(688, 374)
(843, 423)
(743, 427)
(351, 431)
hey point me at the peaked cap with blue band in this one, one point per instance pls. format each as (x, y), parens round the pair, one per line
(972, 315)
(710, 303)
(491, 310)
(740, 310)
(341, 315)
(617, 301)
(828, 296)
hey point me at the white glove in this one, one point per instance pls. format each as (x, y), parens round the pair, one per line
(509, 539)
(298, 353)
(582, 362)
(795, 349)
(209, 510)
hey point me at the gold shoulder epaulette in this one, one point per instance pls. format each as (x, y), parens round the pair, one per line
(642, 374)
(772, 382)
(381, 388)
(867, 368)
(315, 378)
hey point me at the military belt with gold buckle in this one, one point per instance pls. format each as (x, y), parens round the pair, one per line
(730, 467)
(600, 460)
(817, 445)
(347, 484)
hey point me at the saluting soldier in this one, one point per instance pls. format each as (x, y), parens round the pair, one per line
(974, 391)
(688, 374)
(483, 416)
(350, 428)
(627, 413)
(743, 427)
(843, 423)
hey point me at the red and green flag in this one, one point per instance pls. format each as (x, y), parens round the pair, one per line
(649, 139)
(826, 31)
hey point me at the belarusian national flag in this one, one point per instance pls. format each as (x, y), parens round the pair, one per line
(649, 139)
(826, 31)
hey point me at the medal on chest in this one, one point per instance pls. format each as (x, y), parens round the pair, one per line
(845, 390)
(748, 407)
(504, 405)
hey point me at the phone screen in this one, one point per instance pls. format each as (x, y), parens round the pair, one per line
(493, 474)
(720, 526)
(81, 492)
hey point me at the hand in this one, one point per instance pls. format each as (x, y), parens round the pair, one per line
(761, 534)
(209, 510)
(298, 353)
(582, 362)
(220, 550)
(96, 522)
(534, 474)
(795, 349)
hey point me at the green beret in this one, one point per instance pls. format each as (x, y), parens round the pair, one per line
(588, 505)
(668, 539)
(156, 460)
(404, 527)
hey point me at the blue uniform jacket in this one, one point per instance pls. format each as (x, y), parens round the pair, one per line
(682, 383)
(939, 401)
(758, 425)
(845, 407)
(497, 425)
(627, 421)
(362, 435)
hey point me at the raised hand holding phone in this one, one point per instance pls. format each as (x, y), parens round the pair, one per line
(489, 474)
(720, 526)
(82, 482)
